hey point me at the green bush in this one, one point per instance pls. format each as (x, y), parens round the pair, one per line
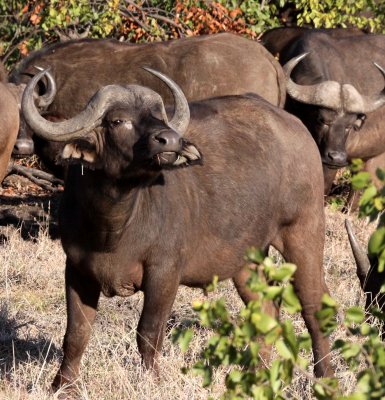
(236, 343)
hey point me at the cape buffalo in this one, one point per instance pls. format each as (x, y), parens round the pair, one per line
(334, 86)
(204, 66)
(136, 220)
(9, 121)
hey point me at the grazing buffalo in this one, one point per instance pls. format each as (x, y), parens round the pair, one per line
(370, 278)
(142, 216)
(9, 121)
(204, 66)
(334, 85)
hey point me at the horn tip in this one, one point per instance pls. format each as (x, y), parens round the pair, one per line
(379, 67)
(42, 68)
(303, 55)
(148, 69)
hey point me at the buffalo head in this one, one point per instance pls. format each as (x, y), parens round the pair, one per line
(330, 110)
(122, 130)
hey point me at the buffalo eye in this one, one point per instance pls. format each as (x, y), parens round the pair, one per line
(116, 122)
(324, 123)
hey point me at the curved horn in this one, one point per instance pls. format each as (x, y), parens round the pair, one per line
(362, 260)
(47, 98)
(60, 131)
(372, 103)
(325, 94)
(92, 115)
(181, 118)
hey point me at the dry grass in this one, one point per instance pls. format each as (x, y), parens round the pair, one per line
(32, 324)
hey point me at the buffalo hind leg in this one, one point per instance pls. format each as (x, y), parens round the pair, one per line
(82, 299)
(302, 244)
(240, 282)
(159, 294)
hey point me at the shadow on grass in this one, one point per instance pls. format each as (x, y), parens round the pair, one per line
(30, 214)
(15, 351)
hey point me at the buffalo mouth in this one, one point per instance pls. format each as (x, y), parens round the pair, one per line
(334, 165)
(165, 158)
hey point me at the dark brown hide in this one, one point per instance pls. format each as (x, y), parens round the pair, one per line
(279, 40)
(9, 122)
(126, 228)
(344, 60)
(203, 66)
(369, 145)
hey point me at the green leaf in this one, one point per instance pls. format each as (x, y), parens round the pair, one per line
(182, 337)
(284, 272)
(272, 292)
(213, 285)
(361, 180)
(290, 300)
(200, 368)
(284, 350)
(381, 261)
(377, 241)
(263, 322)
(328, 301)
(289, 337)
(275, 380)
(351, 350)
(368, 195)
(380, 173)
(235, 376)
(365, 329)
(248, 330)
(255, 255)
(354, 314)
(326, 389)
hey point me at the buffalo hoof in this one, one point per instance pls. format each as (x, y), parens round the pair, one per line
(64, 388)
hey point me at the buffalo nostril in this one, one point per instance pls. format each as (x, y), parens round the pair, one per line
(160, 139)
(167, 139)
(337, 156)
(23, 147)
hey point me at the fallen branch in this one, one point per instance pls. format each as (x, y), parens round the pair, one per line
(43, 179)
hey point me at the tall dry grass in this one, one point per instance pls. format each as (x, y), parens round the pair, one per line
(33, 316)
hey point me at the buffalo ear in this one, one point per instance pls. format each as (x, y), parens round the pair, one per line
(79, 151)
(190, 155)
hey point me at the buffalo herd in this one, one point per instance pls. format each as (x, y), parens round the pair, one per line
(180, 155)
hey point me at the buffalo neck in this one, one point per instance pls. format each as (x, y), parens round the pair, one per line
(104, 205)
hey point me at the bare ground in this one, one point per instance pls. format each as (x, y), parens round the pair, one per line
(32, 314)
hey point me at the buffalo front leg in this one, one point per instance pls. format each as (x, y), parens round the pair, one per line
(82, 299)
(159, 294)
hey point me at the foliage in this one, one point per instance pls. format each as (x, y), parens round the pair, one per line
(26, 25)
(364, 14)
(237, 344)
(372, 204)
